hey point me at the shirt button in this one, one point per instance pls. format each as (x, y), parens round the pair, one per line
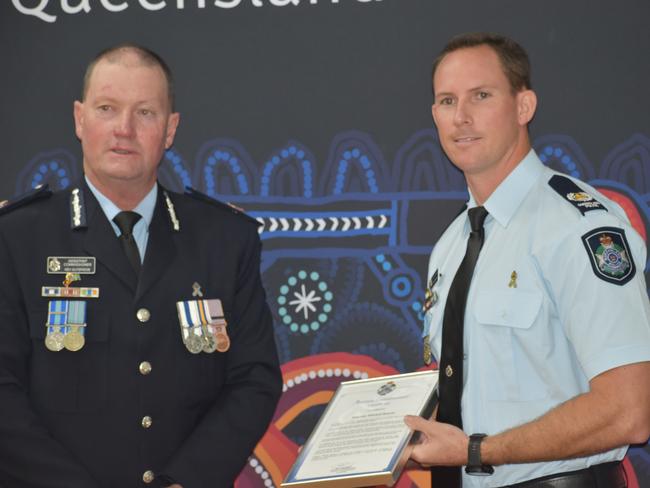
(147, 421)
(143, 315)
(449, 371)
(145, 367)
(148, 476)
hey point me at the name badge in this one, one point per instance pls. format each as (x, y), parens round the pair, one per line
(71, 264)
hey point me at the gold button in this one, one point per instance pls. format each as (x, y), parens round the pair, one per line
(143, 315)
(145, 367)
(449, 371)
(147, 421)
(148, 476)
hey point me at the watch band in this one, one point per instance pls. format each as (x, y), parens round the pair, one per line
(474, 464)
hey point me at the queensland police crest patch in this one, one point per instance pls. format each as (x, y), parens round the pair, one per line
(609, 254)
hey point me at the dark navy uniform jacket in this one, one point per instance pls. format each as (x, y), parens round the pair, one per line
(75, 419)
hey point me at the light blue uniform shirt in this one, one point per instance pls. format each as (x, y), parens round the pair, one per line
(533, 346)
(145, 208)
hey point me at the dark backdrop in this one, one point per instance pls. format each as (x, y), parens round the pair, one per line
(315, 116)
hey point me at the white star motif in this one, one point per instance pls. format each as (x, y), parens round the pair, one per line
(305, 301)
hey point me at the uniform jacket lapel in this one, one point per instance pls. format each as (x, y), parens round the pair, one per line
(160, 247)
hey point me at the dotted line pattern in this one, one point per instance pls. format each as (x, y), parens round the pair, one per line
(366, 164)
(177, 165)
(51, 167)
(224, 157)
(556, 152)
(323, 373)
(263, 473)
(285, 154)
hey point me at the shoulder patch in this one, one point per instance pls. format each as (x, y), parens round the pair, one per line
(610, 254)
(573, 194)
(191, 192)
(41, 191)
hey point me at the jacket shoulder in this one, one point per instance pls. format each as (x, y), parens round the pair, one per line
(41, 192)
(223, 206)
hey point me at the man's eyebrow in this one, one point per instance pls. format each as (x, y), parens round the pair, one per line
(443, 94)
(480, 87)
(113, 99)
(470, 90)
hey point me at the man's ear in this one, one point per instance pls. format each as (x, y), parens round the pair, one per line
(526, 106)
(433, 113)
(172, 124)
(77, 112)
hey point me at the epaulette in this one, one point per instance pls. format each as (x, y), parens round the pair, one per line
(573, 194)
(191, 192)
(38, 193)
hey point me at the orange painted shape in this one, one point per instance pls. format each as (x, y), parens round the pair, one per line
(630, 208)
(318, 398)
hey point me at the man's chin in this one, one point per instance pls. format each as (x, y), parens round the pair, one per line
(122, 179)
(467, 165)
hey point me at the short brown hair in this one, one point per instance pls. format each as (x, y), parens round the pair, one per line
(514, 59)
(146, 56)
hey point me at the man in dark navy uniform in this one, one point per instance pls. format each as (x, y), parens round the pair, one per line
(136, 345)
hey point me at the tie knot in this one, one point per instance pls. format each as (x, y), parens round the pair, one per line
(126, 220)
(476, 218)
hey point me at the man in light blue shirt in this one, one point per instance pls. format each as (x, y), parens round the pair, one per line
(556, 363)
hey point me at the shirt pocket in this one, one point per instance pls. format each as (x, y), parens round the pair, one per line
(511, 345)
(67, 381)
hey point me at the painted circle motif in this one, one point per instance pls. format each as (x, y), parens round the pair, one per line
(305, 302)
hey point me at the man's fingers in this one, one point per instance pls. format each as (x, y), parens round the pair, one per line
(416, 423)
(417, 455)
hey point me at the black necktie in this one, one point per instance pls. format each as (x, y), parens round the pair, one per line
(450, 386)
(125, 221)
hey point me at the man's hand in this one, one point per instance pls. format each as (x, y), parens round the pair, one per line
(440, 444)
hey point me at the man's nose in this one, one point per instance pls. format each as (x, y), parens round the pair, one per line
(124, 124)
(462, 115)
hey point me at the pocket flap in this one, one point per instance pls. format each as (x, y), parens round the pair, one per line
(509, 308)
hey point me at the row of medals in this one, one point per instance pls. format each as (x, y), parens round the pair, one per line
(60, 338)
(430, 298)
(211, 337)
(72, 340)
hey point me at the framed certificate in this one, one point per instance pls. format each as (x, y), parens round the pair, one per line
(361, 438)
